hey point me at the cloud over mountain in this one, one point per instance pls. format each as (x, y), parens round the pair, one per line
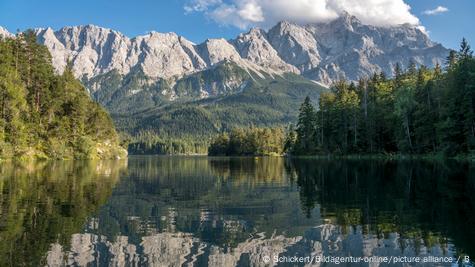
(264, 13)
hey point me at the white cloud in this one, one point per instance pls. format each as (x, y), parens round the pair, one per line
(436, 11)
(251, 12)
(200, 5)
(264, 13)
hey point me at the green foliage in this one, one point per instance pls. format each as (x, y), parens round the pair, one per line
(305, 140)
(420, 111)
(149, 143)
(248, 142)
(123, 94)
(47, 202)
(47, 115)
(262, 101)
(220, 145)
(135, 92)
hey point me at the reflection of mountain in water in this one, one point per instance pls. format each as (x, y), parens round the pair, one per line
(181, 249)
(233, 212)
(429, 201)
(164, 249)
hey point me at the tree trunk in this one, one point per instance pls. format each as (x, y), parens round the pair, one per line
(408, 132)
(322, 125)
(365, 101)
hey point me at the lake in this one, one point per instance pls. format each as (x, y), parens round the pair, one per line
(200, 211)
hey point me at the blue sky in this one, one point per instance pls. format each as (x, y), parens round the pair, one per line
(206, 19)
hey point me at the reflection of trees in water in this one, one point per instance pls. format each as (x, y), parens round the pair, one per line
(187, 178)
(220, 200)
(251, 172)
(45, 203)
(210, 211)
(422, 201)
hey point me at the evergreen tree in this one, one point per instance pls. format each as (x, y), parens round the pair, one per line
(425, 115)
(398, 75)
(306, 140)
(418, 111)
(465, 51)
(451, 59)
(404, 107)
(47, 115)
(290, 139)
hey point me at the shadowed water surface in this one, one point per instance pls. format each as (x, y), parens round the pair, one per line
(199, 211)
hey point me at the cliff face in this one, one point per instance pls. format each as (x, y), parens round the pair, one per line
(322, 52)
(95, 51)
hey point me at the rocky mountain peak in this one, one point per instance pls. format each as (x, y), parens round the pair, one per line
(295, 45)
(254, 32)
(255, 47)
(348, 20)
(217, 50)
(323, 52)
(285, 27)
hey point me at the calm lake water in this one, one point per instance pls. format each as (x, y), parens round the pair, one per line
(199, 211)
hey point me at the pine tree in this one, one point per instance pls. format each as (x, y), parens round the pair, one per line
(398, 76)
(425, 115)
(412, 69)
(451, 59)
(306, 135)
(465, 51)
(290, 139)
(44, 114)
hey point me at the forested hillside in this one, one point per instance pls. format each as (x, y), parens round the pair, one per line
(419, 111)
(135, 92)
(187, 127)
(44, 115)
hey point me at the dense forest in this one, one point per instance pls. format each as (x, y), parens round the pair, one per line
(45, 115)
(248, 142)
(149, 143)
(419, 111)
(184, 125)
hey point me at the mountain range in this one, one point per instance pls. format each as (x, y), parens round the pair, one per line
(146, 74)
(322, 52)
